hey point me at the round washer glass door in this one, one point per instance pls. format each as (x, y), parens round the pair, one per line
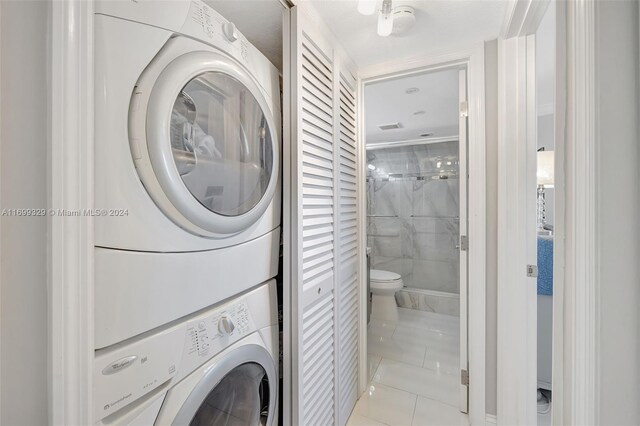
(239, 389)
(241, 398)
(221, 144)
(215, 155)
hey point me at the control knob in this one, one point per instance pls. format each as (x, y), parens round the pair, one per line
(230, 31)
(225, 325)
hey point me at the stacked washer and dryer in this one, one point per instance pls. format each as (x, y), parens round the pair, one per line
(187, 172)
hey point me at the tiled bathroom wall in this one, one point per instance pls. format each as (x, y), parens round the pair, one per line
(413, 209)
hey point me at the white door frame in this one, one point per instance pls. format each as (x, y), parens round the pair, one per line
(473, 58)
(463, 255)
(516, 331)
(575, 357)
(575, 380)
(517, 141)
(70, 187)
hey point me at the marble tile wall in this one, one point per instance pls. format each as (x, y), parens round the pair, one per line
(413, 208)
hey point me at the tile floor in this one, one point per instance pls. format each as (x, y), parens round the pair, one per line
(413, 372)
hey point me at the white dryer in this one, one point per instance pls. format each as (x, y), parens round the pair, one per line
(187, 171)
(217, 367)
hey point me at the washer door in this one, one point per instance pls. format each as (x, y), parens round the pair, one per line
(240, 390)
(212, 144)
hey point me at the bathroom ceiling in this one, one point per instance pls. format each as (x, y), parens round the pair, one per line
(435, 102)
(440, 25)
(259, 20)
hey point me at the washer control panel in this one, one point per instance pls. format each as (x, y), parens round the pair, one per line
(126, 371)
(208, 335)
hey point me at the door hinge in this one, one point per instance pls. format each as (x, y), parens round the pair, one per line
(464, 109)
(464, 377)
(464, 243)
(532, 271)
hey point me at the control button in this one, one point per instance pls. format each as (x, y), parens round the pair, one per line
(230, 31)
(201, 325)
(226, 326)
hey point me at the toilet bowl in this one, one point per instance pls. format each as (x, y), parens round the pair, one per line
(384, 285)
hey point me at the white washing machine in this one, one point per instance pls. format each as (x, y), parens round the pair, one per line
(217, 367)
(187, 173)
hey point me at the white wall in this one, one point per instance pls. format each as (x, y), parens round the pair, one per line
(23, 143)
(618, 208)
(491, 130)
(545, 89)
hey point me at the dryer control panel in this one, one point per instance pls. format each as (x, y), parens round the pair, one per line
(207, 24)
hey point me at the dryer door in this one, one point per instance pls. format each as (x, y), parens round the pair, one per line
(212, 145)
(240, 390)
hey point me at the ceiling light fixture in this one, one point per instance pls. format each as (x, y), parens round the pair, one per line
(385, 19)
(367, 7)
(388, 16)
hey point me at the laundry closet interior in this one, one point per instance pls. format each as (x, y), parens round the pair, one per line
(292, 216)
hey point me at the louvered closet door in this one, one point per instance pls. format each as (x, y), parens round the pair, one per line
(347, 244)
(313, 271)
(324, 254)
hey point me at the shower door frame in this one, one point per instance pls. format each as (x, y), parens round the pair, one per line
(470, 58)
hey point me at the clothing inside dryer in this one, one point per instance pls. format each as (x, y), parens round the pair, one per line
(221, 143)
(241, 398)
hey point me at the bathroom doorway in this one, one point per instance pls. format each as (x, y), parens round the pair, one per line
(416, 202)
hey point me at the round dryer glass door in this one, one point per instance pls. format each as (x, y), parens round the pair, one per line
(241, 398)
(221, 144)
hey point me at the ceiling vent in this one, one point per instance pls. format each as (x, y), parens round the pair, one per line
(390, 126)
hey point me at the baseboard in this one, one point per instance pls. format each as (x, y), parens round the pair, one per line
(491, 419)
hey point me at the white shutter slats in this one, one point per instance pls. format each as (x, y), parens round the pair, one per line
(324, 213)
(314, 92)
(317, 217)
(347, 247)
(317, 361)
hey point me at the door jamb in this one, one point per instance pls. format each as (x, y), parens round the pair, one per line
(516, 369)
(575, 366)
(575, 336)
(70, 187)
(473, 58)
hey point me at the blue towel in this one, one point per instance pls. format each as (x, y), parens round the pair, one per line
(545, 265)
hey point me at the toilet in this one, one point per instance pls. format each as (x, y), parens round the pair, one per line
(384, 285)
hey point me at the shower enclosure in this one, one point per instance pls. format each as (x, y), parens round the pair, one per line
(413, 227)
